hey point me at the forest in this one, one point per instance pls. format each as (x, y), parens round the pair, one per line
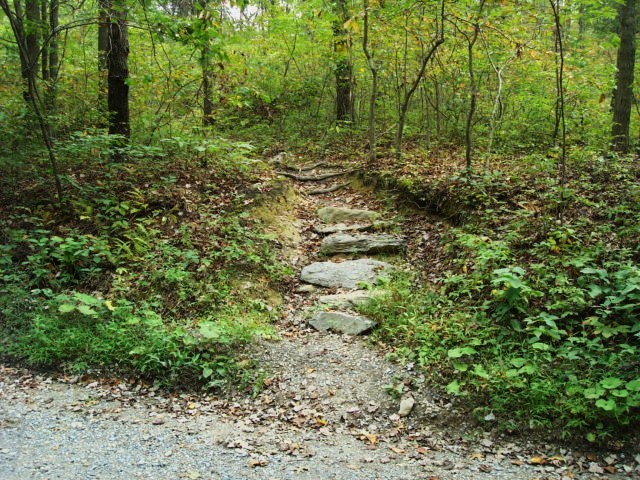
(141, 198)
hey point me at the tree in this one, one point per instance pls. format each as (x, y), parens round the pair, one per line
(343, 67)
(374, 84)
(437, 40)
(626, 58)
(113, 42)
(25, 34)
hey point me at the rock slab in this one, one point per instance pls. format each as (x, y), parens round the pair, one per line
(344, 274)
(362, 243)
(341, 214)
(341, 227)
(341, 322)
(349, 299)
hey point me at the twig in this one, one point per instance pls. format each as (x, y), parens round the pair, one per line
(319, 191)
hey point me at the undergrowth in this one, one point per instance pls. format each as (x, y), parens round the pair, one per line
(536, 317)
(141, 272)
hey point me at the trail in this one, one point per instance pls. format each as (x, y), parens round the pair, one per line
(325, 412)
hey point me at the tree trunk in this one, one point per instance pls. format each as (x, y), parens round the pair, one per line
(207, 72)
(31, 29)
(623, 94)
(404, 107)
(374, 86)
(344, 68)
(54, 22)
(117, 62)
(45, 43)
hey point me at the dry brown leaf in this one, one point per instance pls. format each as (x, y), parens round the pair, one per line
(396, 450)
(537, 460)
(477, 456)
(372, 437)
(258, 462)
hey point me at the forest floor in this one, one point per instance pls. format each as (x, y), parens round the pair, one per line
(325, 410)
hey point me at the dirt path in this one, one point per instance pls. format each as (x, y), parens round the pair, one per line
(324, 413)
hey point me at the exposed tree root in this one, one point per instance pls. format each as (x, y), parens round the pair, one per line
(319, 191)
(314, 178)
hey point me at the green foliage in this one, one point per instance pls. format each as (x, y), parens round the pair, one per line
(535, 320)
(131, 277)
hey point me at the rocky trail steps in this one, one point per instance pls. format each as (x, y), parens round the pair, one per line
(324, 412)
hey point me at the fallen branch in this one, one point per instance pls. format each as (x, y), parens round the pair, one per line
(312, 178)
(319, 191)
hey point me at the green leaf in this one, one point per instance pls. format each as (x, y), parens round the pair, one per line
(461, 366)
(610, 383)
(593, 392)
(461, 351)
(454, 388)
(87, 310)
(66, 308)
(620, 393)
(480, 371)
(607, 405)
(634, 385)
(206, 372)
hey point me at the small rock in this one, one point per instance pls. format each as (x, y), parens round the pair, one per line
(595, 468)
(490, 417)
(305, 289)
(406, 405)
(341, 322)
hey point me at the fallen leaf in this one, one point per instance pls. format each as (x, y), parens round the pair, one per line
(477, 456)
(610, 469)
(372, 437)
(258, 462)
(396, 450)
(537, 461)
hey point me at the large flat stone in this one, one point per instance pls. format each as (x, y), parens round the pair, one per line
(344, 274)
(341, 227)
(341, 214)
(349, 299)
(341, 322)
(362, 243)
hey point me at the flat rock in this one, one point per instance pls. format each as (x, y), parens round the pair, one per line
(340, 227)
(341, 214)
(341, 322)
(362, 243)
(349, 299)
(344, 274)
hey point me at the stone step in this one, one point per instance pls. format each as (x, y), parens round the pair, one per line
(349, 299)
(344, 274)
(340, 227)
(341, 322)
(362, 243)
(341, 214)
